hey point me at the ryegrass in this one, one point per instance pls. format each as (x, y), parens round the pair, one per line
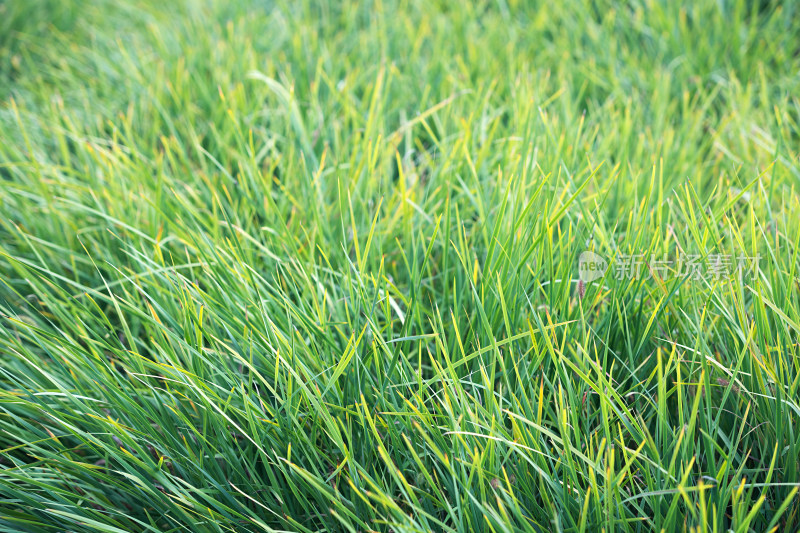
(314, 266)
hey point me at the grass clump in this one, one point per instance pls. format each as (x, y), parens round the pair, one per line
(314, 266)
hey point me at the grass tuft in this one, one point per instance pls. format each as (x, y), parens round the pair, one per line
(316, 266)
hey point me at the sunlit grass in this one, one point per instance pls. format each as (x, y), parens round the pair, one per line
(315, 267)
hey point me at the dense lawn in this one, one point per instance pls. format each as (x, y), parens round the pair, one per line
(316, 265)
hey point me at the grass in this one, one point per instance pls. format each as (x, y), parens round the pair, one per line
(314, 266)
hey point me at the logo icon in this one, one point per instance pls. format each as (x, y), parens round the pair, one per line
(591, 266)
